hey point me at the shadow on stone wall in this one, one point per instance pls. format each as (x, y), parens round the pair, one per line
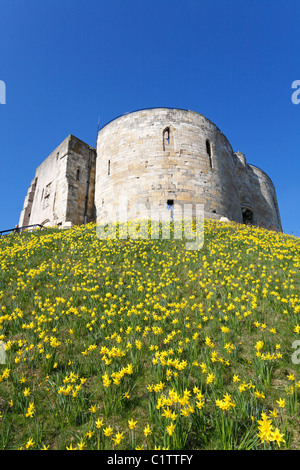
(264, 200)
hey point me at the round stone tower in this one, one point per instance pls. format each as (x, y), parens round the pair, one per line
(173, 157)
(165, 156)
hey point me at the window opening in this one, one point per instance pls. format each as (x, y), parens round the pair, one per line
(247, 216)
(166, 137)
(170, 206)
(209, 153)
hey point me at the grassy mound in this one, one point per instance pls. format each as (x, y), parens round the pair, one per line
(143, 344)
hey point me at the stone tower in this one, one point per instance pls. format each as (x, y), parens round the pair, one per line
(174, 156)
(63, 188)
(163, 157)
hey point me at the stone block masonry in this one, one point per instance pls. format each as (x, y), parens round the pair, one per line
(58, 194)
(160, 156)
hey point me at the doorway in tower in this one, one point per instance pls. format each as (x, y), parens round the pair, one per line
(248, 217)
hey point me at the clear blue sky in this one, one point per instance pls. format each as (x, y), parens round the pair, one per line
(67, 63)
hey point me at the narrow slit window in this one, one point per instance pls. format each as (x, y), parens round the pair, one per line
(170, 206)
(78, 174)
(166, 137)
(209, 152)
(108, 168)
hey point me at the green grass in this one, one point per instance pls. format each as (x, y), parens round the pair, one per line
(146, 330)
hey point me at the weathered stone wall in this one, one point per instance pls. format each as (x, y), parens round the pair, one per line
(136, 159)
(257, 194)
(77, 174)
(145, 159)
(264, 199)
(27, 207)
(60, 187)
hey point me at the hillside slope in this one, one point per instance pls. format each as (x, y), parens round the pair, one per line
(129, 344)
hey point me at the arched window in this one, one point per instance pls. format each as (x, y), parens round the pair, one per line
(209, 152)
(166, 138)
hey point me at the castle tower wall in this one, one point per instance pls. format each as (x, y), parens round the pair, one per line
(80, 171)
(245, 186)
(264, 199)
(156, 155)
(257, 194)
(153, 158)
(27, 207)
(46, 208)
(61, 185)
